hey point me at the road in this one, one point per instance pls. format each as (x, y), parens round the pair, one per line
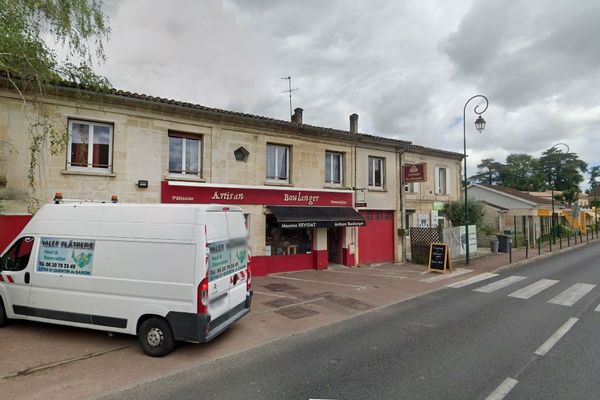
(527, 333)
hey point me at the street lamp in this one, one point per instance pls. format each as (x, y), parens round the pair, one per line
(596, 188)
(552, 240)
(480, 126)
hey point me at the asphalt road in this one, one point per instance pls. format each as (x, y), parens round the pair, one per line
(472, 342)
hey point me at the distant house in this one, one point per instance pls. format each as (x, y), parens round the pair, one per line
(510, 209)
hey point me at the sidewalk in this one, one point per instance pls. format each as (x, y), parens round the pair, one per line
(45, 362)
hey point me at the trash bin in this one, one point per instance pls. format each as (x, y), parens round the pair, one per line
(503, 243)
(494, 246)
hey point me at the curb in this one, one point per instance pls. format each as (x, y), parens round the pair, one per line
(544, 256)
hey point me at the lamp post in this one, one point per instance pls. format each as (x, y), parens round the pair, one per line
(552, 188)
(480, 126)
(596, 188)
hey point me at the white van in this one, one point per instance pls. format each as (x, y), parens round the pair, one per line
(161, 272)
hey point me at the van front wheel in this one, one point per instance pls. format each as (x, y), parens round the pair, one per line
(155, 337)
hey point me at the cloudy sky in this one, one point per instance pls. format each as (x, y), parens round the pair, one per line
(406, 67)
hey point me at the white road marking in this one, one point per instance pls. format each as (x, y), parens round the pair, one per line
(471, 280)
(492, 287)
(363, 274)
(572, 295)
(597, 308)
(502, 390)
(441, 277)
(533, 289)
(315, 281)
(548, 344)
(274, 295)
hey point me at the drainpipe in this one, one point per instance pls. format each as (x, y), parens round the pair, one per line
(402, 201)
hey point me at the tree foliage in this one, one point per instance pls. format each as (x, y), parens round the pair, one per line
(26, 28)
(455, 212)
(568, 196)
(488, 171)
(562, 171)
(522, 172)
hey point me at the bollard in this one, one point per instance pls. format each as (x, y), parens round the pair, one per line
(526, 248)
(575, 235)
(587, 235)
(560, 239)
(539, 246)
(580, 237)
(569, 239)
(550, 243)
(510, 251)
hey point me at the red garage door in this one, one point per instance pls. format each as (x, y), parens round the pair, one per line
(376, 239)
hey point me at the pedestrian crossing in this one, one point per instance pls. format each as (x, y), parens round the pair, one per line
(568, 296)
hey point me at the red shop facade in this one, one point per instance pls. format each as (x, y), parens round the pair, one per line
(290, 229)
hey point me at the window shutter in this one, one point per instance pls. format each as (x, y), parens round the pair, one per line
(437, 180)
(448, 181)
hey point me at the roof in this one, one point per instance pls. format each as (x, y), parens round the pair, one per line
(487, 203)
(422, 149)
(517, 193)
(63, 86)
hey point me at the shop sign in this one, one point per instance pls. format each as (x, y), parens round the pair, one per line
(438, 205)
(414, 172)
(66, 256)
(321, 224)
(171, 192)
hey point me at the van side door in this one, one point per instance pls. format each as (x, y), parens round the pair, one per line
(15, 276)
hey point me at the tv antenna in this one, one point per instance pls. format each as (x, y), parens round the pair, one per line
(289, 91)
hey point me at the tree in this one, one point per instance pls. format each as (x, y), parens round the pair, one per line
(488, 171)
(28, 64)
(522, 172)
(563, 171)
(455, 212)
(594, 181)
(568, 196)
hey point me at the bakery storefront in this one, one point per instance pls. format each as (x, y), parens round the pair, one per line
(290, 229)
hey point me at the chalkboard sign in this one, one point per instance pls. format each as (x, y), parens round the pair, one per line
(439, 258)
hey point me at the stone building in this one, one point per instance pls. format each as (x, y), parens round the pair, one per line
(311, 195)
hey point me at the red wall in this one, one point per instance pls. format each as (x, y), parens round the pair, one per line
(10, 227)
(263, 265)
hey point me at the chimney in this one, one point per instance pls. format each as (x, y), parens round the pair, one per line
(354, 123)
(297, 116)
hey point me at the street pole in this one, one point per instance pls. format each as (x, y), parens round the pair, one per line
(480, 126)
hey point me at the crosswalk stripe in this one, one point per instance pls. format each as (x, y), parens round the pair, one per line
(572, 295)
(441, 277)
(472, 280)
(597, 308)
(492, 287)
(533, 289)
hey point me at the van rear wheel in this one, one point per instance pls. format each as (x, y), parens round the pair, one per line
(155, 337)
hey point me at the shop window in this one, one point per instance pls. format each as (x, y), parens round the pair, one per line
(333, 167)
(17, 257)
(281, 242)
(90, 146)
(278, 165)
(185, 154)
(376, 172)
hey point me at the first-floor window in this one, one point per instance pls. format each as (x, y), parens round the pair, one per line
(278, 167)
(184, 154)
(90, 145)
(441, 181)
(376, 171)
(333, 167)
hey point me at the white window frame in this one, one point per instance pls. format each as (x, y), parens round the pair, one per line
(412, 187)
(185, 137)
(278, 147)
(329, 174)
(373, 159)
(90, 160)
(438, 189)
